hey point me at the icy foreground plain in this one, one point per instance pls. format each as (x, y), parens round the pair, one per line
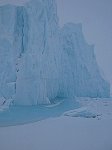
(39, 61)
(68, 132)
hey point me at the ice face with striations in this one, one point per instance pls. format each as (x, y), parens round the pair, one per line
(7, 52)
(39, 61)
(81, 65)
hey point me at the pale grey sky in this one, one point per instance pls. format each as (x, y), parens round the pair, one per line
(96, 18)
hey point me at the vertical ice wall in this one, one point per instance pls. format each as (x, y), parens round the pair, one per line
(37, 78)
(86, 79)
(7, 66)
(39, 61)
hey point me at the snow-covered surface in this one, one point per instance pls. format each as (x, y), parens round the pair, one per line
(39, 64)
(65, 132)
(92, 108)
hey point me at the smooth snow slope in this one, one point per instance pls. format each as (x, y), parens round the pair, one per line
(63, 133)
(39, 61)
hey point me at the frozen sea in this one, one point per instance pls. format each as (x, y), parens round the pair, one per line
(82, 124)
(16, 115)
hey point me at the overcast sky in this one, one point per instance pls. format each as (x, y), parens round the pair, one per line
(96, 18)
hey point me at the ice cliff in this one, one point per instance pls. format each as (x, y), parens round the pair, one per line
(39, 61)
(79, 56)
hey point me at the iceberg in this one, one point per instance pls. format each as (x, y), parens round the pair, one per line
(83, 71)
(39, 61)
